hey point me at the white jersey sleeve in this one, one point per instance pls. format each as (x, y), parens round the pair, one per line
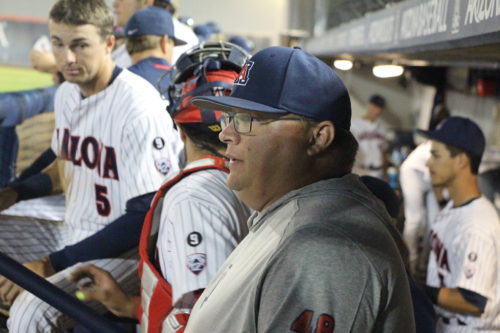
(473, 256)
(185, 33)
(202, 221)
(150, 146)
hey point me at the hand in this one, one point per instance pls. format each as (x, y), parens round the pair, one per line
(103, 287)
(9, 290)
(8, 197)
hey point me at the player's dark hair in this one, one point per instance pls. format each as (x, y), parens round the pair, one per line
(203, 139)
(80, 12)
(142, 43)
(165, 5)
(474, 160)
(344, 148)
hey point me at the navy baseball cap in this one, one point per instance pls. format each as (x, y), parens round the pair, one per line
(152, 21)
(282, 80)
(377, 100)
(459, 132)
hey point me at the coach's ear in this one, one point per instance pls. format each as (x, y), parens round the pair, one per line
(321, 136)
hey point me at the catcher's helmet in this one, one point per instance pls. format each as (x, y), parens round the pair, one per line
(208, 69)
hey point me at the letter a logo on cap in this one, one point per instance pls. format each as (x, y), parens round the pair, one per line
(242, 78)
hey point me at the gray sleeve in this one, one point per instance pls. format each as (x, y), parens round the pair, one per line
(322, 282)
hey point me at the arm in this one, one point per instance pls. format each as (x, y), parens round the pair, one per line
(192, 264)
(102, 287)
(119, 236)
(116, 238)
(414, 190)
(38, 185)
(457, 300)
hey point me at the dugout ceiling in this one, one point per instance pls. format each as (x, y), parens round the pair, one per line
(415, 32)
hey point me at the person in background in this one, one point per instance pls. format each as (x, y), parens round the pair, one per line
(150, 43)
(370, 133)
(463, 274)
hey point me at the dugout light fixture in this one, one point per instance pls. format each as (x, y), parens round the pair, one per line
(343, 65)
(386, 71)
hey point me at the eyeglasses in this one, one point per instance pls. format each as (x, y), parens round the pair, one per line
(242, 122)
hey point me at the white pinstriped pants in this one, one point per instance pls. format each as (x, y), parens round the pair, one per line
(28, 239)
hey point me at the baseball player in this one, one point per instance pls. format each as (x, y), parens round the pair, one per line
(150, 43)
(124, 9)
(151, 31)
(113, 142)
(463, 275)
(318, 256)
(15, 107)
(197, 219)
(370, 134)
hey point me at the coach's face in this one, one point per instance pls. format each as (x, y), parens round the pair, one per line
(80, 52)
(442, 166)
(267, 162)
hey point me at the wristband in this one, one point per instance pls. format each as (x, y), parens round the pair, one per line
(432, 293)
(35, 186)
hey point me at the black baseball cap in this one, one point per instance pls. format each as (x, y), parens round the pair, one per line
(459, 132)
(282, 80)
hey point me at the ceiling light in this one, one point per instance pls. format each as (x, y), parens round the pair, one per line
(385, 71)
(343, 65)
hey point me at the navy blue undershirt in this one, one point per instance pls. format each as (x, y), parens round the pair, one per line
(116, 238)
(153, 69)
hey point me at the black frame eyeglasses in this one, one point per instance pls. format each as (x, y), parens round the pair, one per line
(242, 122)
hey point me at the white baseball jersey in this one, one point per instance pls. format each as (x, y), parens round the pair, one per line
(420, 205)
(466, 254)
(185, 33)
(117, 144)
(202, 221)
(372, 144)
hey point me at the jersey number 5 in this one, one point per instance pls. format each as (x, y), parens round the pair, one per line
(325, 323)
(101, 201)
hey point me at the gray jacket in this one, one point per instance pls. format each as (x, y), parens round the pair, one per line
(321, 256)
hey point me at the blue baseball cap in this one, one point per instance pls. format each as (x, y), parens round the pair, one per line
(282, 80)
(241, 42)
(203, 32)
(152, 21)
(459, 132)
(377, 100)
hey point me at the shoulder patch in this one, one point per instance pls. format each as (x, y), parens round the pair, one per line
(158, 143)
(194, 239)
(163, 165)
(196, 262)
(469, 270)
